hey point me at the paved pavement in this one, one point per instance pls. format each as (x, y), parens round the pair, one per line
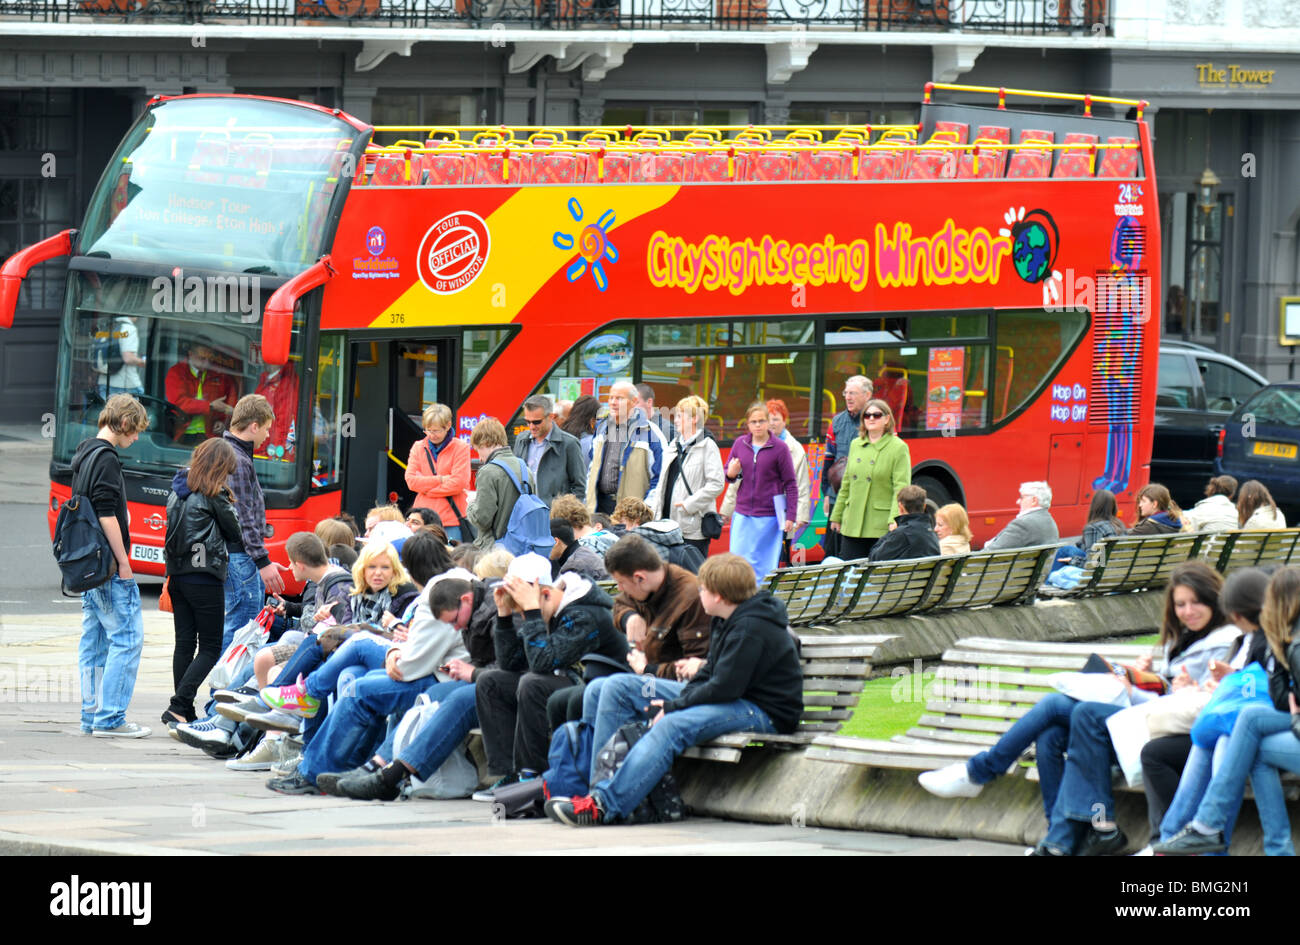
(61, 792)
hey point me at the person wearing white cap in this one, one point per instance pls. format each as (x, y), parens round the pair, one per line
(567, 636)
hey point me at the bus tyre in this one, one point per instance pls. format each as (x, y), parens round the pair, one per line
(934, 489)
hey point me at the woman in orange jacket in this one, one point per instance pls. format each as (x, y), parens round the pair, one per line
(437, 471)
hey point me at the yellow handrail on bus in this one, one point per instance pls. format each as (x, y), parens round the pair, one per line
(1002, 93)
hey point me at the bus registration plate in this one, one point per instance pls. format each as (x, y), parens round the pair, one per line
(150, 553)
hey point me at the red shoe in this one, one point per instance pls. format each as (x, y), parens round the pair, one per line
(575, 811)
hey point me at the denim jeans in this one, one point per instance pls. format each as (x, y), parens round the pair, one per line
(1202, 765)
(1047, 724)
(1260, 744)
(1085, 794)
(356, 725)
(606, 716)
(244, 594)
(652, 757)
(457, 714)
(361, 649)
(112, 638)
(452, 531)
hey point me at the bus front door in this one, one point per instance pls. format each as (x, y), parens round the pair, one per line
(393, 382)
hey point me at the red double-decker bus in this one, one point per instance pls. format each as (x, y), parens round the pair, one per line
(991, 270)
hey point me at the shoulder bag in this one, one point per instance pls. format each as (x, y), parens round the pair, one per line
(710, 522)
(467, 532)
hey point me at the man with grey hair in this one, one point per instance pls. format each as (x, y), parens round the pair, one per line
(626, 454)
(844, 426)
(1033, 525)
(554, 458)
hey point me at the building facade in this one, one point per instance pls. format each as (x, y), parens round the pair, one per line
(73, 75)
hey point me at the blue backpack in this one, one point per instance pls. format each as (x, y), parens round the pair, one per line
(568, 761)
(529, 528)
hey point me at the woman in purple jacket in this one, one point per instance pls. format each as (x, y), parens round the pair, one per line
(767, 497)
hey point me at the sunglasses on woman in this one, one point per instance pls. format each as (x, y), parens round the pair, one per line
(874, 416)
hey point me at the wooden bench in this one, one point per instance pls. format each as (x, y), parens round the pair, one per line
(982, 688)
(1229, 551)
(835, 670)
(862, 590)
(1129, 563)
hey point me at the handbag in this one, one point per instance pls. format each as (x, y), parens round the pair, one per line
(1175, 713)
(467, 532)
(710, 522)
(165, 598)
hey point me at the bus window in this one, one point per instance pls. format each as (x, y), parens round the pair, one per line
(328, 423)
(187, 367)
(940, 327)
(478, 347)
(593, 365)
(730, 382)
(1031, 346)
(930, 388)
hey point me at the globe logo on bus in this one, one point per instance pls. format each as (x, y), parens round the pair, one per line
(1033, 245)
(376, 240)
(453, 252)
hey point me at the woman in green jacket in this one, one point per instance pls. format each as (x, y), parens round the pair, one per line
(879, 465)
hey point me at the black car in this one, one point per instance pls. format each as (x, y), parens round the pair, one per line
(1196, 393)
(1261, 440)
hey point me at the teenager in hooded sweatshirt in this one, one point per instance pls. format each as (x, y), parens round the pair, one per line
(751, 682)
(567, 636)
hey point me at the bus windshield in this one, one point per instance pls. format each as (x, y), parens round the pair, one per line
(241, 184)
(188, 375)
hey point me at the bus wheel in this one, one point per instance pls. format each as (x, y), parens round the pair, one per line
(934, 489)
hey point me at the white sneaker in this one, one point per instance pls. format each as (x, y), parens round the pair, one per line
(1145, 851)
(125, 730)
(259, 759)
(952, 781)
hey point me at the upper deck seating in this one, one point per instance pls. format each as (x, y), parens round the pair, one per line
(1077, 161)
(1118, 162)
(988, 156)
(823, 164)
(561, 167)
(253, 154)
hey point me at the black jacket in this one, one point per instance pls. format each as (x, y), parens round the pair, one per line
(199, 527)
(1281, 678)
(751, 657)
(583, 628)
(913, 537)
(104, 486)
(666, 537)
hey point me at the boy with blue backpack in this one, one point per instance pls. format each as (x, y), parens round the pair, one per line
(506, 508)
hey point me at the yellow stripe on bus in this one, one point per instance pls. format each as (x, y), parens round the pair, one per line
(522, 257)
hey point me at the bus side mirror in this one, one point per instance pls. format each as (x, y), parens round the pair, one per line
(20, 263)
(277, 320)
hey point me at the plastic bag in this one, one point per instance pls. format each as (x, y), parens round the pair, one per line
(1235, 691)
(247, 640)
(455, 777)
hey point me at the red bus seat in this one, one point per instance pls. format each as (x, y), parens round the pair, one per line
(559, 167)
(666, 167)
(880, 163)
(209, 153)
(1077, 161)
(716, 166)
(994, 133)
(1119, 162)
(1030, 162)
(958, 128)
(620, 167)
(391, 170)
(449, 168)
(824, 164)
(771, 165)
(491, 168)
(1029, 135)
(987, 159)
(251, 154)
